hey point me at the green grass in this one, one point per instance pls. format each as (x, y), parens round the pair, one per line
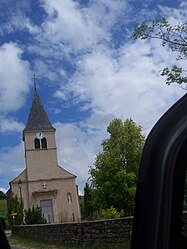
(33, 244)
(3, 208)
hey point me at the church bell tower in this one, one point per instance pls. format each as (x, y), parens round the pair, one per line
(39, 142)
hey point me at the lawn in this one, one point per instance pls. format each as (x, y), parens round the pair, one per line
(3, 208)
(28, 243)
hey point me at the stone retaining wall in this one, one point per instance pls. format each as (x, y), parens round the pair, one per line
(92, 232)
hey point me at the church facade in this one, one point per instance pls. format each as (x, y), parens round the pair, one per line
(43, 182)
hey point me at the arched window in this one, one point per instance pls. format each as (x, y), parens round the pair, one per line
(40, 143)
(37, 143)
(69, 198)
(44, 143)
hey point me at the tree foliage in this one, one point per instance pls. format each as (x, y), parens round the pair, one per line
(115, 173)
(2, 195)
(34, 216)
(31, 216)
(111, 213)
(173, 36)
(88, 202)
(14, 206)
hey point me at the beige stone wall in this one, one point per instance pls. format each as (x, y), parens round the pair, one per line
(40, 163)
(57, 190)
(15, 189)
(70, 210)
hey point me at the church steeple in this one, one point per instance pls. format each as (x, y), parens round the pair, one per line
(38, 119)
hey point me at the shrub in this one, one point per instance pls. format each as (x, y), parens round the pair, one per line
(111, 213)
(14, 206)
(34, 216)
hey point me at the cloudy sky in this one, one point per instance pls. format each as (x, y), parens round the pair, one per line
(89, 71)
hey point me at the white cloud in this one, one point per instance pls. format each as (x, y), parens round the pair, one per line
(11, 163)
(14, 72)
(14, 14)
(175, 15)
(77, 150)
(97, 121)
(42, 69)
(20, 22)
(10, 125)
(68, 24)
(127, 83)
(3, 190)
(60, 95)
(106, 13)
(12, 154)
(70, 27)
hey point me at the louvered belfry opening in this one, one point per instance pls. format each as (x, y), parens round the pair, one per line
(44, 143)
(160, 189)
(40, 144)
(37, 143)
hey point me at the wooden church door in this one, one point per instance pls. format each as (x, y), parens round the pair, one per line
(47, 210)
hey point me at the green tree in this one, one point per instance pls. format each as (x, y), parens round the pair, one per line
(88, 202)
(14, 206)
(81, 201)
(172, 36)
(2, 195)
(34, 216)
(115, 173)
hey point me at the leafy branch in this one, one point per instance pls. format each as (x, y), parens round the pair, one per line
(175, 37)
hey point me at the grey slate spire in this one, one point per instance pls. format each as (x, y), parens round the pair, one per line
(38, 119)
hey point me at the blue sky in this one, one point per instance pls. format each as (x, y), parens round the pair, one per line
(89, 71)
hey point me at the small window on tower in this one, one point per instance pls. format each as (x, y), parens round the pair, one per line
(37, 143)
(44, 143)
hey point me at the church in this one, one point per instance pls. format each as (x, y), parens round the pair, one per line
(44, 183)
